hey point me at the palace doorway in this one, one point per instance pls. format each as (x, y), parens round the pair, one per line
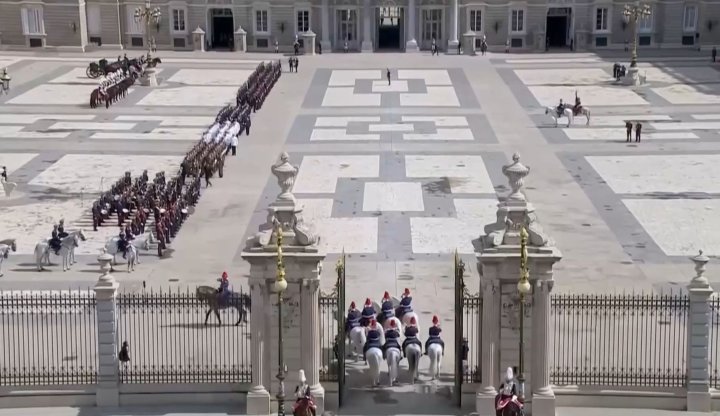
(389, 28)
(221, 29)
(558, 27)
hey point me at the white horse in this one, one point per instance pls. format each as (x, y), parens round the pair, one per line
(413, 353)
(139, 243)
(67, 245)
(8, 187)
(357, 340)
(6, 246)
(132, 258)
(393, 362)
(67, 250)
(552, 112)
(435, 352)
(584, 111)
(374, 357)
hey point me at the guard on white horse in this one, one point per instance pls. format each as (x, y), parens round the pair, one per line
(354, 331)
(435, 348)
(139, 243)
(412, 348)
(373, 355)
(405, 311)
(6, 246)
(66, 250)
(8, 187)
(387, 309)
(368, 313)
(391, 351)
(375, 326)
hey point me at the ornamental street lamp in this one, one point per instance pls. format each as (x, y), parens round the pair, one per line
(4, 82)
(632, 14)
(523, 288)
(147, 14)
(279, 287)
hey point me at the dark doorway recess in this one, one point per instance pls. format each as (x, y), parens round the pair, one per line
(222, 29)
(389, 28)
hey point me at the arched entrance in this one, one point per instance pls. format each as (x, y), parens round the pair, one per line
(221, 28)
(558, 27)
(389, 27)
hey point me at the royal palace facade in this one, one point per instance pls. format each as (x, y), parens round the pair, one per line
(361, 24)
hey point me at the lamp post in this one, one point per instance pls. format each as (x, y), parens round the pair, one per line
(5, 81)
(146, 15)
(632, 13)
(279, 287)
(523, 288)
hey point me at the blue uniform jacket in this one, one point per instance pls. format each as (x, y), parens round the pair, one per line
(353, 320)
(434, 339)
(368, 313)
(410, 340)
(411, 331)
(373, 341)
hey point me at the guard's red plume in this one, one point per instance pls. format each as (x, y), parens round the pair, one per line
(373, 322)
(368, 302)
(435, 320)
(386, 295)
(407, 292)
(352, 305)
(413, 321)
(393, 324)
(224, 275)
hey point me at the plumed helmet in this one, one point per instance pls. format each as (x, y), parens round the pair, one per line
(393, 324)
(386, 295)
(301, 376)
(509, 375)
(373, 322)
(406, 292)
(435, 321)
(368, 302)
(352, 305)
(413, 321)
(224, 275)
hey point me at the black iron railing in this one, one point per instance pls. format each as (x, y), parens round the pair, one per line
(48, 338)
(329, 348)
(472, 334)
(176, 338)
(619, 339)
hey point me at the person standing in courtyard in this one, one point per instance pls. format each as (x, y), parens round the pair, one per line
(388, 76)
(714, 53)
(638, 130)
(628, 130)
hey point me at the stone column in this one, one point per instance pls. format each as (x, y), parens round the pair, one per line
(411, 45)
(698, 339)
(310, 299)
(453, 42)
(325, 43)
(485, 397)
(258, 398)
(543, 397)
(108, 393)
(367, 45)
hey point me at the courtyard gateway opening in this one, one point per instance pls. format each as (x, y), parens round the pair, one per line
(389, 28)
(557, 30)
(221, 28)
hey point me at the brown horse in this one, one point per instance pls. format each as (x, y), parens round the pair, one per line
(216, 302)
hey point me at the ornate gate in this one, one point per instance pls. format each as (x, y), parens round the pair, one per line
(468, 317)
(332, 332)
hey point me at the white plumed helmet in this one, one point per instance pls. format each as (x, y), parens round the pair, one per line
(301, 376)
(509, 374)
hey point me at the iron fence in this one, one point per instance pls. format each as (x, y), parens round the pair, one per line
(714, 340)
(174, 337)
(472, 335)
(48, 338)
(619, 340)
(329, 349)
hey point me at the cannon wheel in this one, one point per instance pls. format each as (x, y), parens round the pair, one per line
(91, 72)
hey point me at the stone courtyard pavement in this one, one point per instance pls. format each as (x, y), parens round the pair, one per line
(398, 176)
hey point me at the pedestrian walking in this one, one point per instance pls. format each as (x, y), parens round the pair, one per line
(234, 144)
(507, 46)
(388, 76)
(714, 53)
(345, 46)
(297, 61)
(638, 129)
(628, 129)
(277, 46)
(124, 354)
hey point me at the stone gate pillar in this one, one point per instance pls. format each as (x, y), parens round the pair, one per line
(499, 268)
(301, 258)
(698, 339)
(108, 393)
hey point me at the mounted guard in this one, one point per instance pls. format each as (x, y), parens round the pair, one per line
(411, 332)
(405, 304)
(353, 318)
(304, 400)
(386, 309)
(61, 230)
(434, 335)
(578, 105)
(560, 109)
(373, 339)
(368, 313)
(224, 289)
(55, 243)
(507, 396)
(122, 244)
(392, 336)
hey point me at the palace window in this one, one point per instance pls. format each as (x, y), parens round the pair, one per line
(303, 21)
(432, 24)
(32, 20)
(132, 26)
(261, 21)
(475, 21)
(517, 21)
(690, 18)
(178, 21)
(347, 21)
(601, 18)
(645, 24)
